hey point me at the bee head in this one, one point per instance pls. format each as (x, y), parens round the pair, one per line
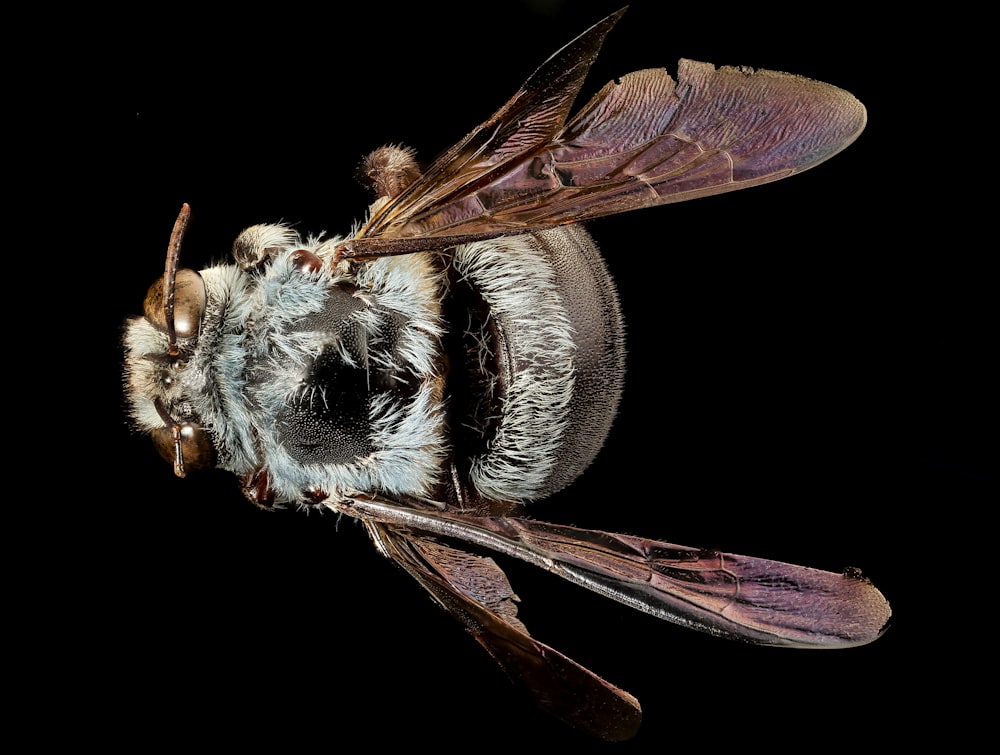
(174, 307)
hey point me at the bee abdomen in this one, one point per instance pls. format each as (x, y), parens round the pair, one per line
(546, 357)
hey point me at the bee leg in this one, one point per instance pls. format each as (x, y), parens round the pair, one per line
(387, 171)
(256, 486)
(258, 243)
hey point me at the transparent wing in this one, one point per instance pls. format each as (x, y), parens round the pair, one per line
(643, 140)
(740, 597)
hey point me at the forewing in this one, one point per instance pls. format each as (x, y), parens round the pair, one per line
(515, 133)
(641, 141)
(475, 591)
(645, 141)
(740, 597)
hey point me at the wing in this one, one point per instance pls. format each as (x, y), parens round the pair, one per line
(643, 140)
(739, 597)
(475, 591)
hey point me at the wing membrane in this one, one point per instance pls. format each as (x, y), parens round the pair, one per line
(643, 140)
(526, 123)
(740, 597)
(556, 684)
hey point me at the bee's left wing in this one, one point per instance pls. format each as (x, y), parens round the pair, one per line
(474, 590)
(641, 141)
(740, 597)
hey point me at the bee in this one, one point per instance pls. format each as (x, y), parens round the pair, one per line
(461, 355)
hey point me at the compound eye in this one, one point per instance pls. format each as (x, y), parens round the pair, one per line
(185, 446)
(189, 303)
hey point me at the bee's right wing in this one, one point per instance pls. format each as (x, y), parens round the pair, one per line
(643, 140)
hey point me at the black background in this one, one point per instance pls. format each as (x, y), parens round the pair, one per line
(803, 385)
